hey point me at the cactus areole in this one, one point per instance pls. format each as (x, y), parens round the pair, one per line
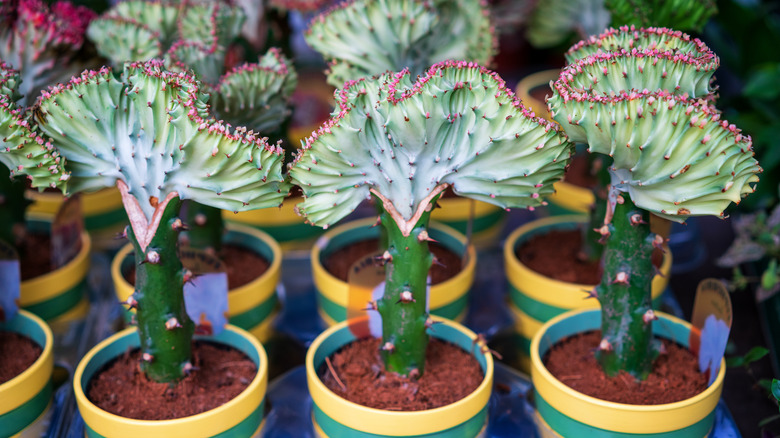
(648, 108)
(404, 143)
(147, 132)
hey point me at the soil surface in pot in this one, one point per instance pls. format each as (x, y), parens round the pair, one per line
(675, 374)
(221, 374)
(555, 255)
(450, 375)
(17, 353)
(241, 264)
(339, 261)
(35, 255)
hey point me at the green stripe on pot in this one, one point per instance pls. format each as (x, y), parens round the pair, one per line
(333, 429)
(565, 426)
(59, 304)
(15, 421)
(333, 310)
(245, 428)
(558, 210)
(251, 318)
(109, 219)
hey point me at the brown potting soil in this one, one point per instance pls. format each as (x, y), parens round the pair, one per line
(554, 254)
(35, 255)
(450, 375)
(17, 353)
(221, 374)
(579, 173)
(675, 375)
(339, 261)
(241, 264)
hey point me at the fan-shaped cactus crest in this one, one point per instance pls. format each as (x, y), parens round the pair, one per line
(363, 38)
(405, 142)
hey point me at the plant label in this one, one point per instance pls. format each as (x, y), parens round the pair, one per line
(66, 229)
(206, 292)
(10, 282)
(712, 316)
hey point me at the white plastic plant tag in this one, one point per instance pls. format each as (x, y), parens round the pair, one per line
(10, 282)
(206, 292)
(711, 321)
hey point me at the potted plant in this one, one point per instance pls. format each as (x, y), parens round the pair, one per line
(363, 38)
(147, 130)
(404, 143)
(672, 155)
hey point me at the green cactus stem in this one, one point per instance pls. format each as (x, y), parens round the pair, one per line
(362, 38)
(405, 142)
(205, 227)
(148, 131)
(625, 292)
(163, 325)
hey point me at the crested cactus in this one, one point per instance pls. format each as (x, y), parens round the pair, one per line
(42, 42)
(672, 155)
(405, 142)
(368, 37)
(147, 131)
(22, 152)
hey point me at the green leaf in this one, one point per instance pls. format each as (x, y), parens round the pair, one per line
(775, 389)
(735, 361)
(771, 276)
(755, 354)
(764, 83)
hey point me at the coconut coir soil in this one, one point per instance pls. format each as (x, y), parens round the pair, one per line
(338, 262)
(17, 353)
(450, 375)
(222, 374)
(242, 266)
(675, 374)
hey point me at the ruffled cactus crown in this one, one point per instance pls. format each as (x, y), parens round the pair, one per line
(643, 97)
(363, 38)
(149, 129)
(457, 126)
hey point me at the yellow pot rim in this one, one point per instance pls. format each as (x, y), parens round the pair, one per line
(641, 419)
(204, 424)
(441, 294)
(572, 196)
(29, 383)
(454, 209)
(272, 216)
(378, 421)
(534, 80)
(241, 298)
(93, 203)
(51, 284)
(539, 287)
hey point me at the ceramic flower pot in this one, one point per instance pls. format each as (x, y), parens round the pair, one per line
(334, 416)
(104, 215)
(283, 224)
(240, 417)
(486, 226)
(562, 411)
(59, 296)
(253, 306)
(25, 400)
(535, 299)
(448, 299)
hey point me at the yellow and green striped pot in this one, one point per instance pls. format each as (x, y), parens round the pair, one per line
(334, 416)
(239, 418)
(253, 306)
(448, 299)
(535, 299)
(104, 215)
(283, 224)
(533, 81)
(59, 296)
(488, 220)
(564, 412)
(25, 400)
(569, 199)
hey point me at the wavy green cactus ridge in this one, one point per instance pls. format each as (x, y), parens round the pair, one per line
(652, 38)
(678, 14)
(210, 23)
(122, 39)
(145, 131)
(160, 16)
(207, 63)
(363, 38)
(675, 157)
(445, 129)
(257, 95)
(640, 70)
(552, 21)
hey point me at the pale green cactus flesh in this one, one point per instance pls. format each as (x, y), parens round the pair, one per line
(159, 16)
(552, 21)
(678, 14)
(458, 126)
(210, 22)
(207, 63)
(123, 39)
(146, 131)
(368, 37)
(652, 38)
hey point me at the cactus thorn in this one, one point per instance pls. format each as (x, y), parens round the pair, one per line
(188, 367)
(649, 316)
(621, 278)
(388, 346)
(423, 236)
(592, 293)
(636, 219)
(121, 235)
(146, 357)
(370, 306)
(658, 242)
(130, 302)
(604, 345)
(414, 374)
(406, 297)
(178, 225)
(436, 261)
(378, 221)
(172, 323)
(152, 257)
(200, 219)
